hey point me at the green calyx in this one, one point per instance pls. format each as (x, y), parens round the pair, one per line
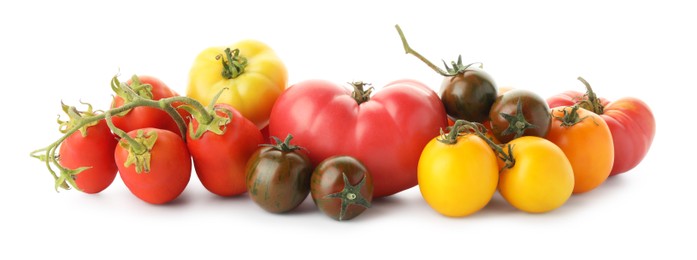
(208, 118)
(68, 176)
(283, 146)
(517, 124)
(350, 195)
(457, 67)
(139, 153)
(360, 94)
(570, 118)
(233, 63)
(76, 118)
(590, 102)
(131, 92)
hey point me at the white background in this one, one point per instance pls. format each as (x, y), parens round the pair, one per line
(67, 50)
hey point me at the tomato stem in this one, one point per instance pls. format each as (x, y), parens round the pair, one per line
(350, 194)
(65, 178)
(455, 130)
(359, 94)
(591, 101)
(457, 67)
(517, 124)
(480, 130)
(234, 65)
(570, 118)
(283, 146)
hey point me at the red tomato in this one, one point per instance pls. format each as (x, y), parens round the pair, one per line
(386, 132)
(169, 169)
(631, 123)
(143, 117)
(220, 160)
(95, 150)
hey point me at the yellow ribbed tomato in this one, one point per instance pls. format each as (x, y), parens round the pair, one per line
(540, 180)
(458, 179)
(251, 71)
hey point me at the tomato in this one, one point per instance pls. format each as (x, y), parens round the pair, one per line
(519, 113)
(159, 172)
(458, 176)
(251, 71)
(587, 142)
(341, 187)
(630, 120)
(94, 149)
(467, 91)
(278, 176)
(220, 159)
(468, 95)
(386, 132)
(144, 117)
(541, 178)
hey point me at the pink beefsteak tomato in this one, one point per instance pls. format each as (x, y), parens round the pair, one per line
(386, 131)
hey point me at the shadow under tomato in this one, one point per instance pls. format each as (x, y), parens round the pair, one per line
(497, 206)
(380, 207)
(180, 201)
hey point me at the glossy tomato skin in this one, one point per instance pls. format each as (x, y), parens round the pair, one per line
(386, 133)
(535, 111)
(143, 117)
(631, 123)
(95, 150)
(278, 181)
(170, 168)
(458, 179)
(587, 144)
(220, 160)
(541, 179)
(327, 179)
(253, 92)
(468, 95)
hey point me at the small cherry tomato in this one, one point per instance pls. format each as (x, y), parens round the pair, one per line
(587, 142)
(458, 174)
(540, 178)
(94, 149)
(519, 113)
(158, 169)
(221, 158)
(341, 187)
(278, 176)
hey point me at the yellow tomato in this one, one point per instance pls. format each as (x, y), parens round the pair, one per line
(250, 70)
(458, 179)
(541, 179)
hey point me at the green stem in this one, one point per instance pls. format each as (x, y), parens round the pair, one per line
(480, 130)
(455, 130)
(123, 135)
(233, 63)
(592, 102)
(360, 94)
(49, 155)
(411, 51)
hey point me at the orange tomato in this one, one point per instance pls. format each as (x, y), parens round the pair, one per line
(587, 142)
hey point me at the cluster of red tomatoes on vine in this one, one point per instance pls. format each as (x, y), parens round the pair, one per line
(344, 145)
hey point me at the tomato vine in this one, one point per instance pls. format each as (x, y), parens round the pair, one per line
(135, 95)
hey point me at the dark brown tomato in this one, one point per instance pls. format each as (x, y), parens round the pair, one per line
(341, 187)
(278, 181)
(517, 113)
(468, 95)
